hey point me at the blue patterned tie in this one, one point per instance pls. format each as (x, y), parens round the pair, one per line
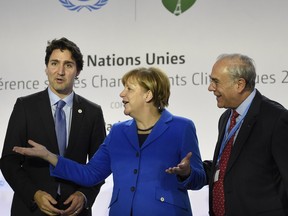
(60, 126)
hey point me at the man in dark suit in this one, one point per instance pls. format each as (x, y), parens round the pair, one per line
(35, 192)
(255, 178)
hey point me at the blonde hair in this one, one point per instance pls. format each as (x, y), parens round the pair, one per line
(152, 79)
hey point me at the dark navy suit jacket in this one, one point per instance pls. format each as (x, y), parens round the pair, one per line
(256, 179)
(32, 119)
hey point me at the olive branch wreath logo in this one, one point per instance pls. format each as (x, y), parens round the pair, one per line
(69, 5)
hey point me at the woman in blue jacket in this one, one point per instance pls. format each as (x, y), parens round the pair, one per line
(150, 156)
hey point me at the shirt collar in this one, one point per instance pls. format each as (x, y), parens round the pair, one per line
(54, 98)
(243, 106)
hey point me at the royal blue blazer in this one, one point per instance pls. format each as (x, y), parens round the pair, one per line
(140, 182)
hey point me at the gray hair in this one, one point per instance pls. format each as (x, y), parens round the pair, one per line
(241, 66)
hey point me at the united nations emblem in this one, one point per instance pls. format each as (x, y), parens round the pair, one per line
(77, 5)
(177, 7)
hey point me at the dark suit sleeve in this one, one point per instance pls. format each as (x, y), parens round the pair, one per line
(207, 164)
(279, 147)
(12, 163)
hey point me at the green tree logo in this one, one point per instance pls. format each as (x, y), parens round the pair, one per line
(177, 7)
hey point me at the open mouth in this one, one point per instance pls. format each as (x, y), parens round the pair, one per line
(59, 80)
(124, 103)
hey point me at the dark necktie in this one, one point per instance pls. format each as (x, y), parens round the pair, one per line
(60, 126)
(218, 187)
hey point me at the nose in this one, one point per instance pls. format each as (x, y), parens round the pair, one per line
(211, 87)
(61, 70)
(122, 94)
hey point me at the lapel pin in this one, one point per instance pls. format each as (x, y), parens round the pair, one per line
(79, 110)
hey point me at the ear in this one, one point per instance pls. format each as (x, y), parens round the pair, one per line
(241, 84)
(46, 71)
(149, 96)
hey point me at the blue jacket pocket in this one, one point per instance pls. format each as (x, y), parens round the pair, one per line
(173, 197)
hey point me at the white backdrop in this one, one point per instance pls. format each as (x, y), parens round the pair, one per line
(144, 31)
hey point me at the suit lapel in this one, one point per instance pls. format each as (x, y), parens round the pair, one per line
(158, 129)
(245, 130)
(131, 134)
(47, 118)
(222, 127)
(78, 112)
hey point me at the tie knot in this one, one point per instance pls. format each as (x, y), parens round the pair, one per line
(60, 104)
(235, 114)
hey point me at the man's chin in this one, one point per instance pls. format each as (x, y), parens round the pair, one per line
(63, 90)
(220, 105)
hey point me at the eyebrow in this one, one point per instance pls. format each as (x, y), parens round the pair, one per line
(213, 79)
(65, 62)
